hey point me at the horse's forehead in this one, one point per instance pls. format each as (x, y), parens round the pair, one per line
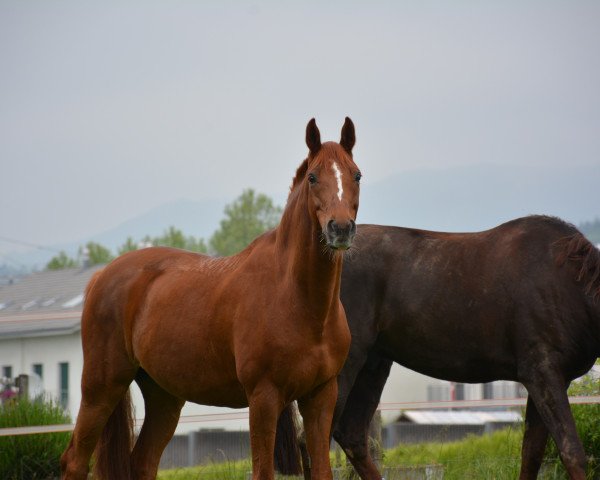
(333, 156)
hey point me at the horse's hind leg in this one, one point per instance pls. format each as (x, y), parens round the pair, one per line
(352, 429)
(534, 443)
(103, 385)
(551, 401)
(161, 418)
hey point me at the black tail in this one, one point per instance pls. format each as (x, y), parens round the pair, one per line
(586, 256)
(287, 452)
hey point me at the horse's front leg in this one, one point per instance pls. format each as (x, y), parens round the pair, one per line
(317, 412)
(265, 407)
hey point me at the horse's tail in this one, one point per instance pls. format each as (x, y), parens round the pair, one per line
(287, 452)
(115, 444)
(579, 250)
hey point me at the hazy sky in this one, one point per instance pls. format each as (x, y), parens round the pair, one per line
(108, 109)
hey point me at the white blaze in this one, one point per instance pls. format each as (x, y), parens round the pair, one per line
(338, 177)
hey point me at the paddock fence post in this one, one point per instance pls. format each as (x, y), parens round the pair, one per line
(22, 383)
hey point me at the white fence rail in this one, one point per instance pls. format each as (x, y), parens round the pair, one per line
(243, 414)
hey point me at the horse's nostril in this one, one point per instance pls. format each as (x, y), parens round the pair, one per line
(341, 229)
(352, 227)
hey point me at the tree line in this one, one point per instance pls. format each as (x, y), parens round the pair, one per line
(250, 215)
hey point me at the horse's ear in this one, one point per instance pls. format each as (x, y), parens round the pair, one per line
(313, 137)
(348, 137)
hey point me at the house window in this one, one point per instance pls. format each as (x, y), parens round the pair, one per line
(7, 371)
(38, 369)
(488, 391)
(459, 391)
(64, 384)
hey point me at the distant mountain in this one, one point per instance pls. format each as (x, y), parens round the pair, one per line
(480, 197)
(592, 230)
(454, 199)
(198, 218)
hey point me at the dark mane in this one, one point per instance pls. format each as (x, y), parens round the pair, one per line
(300, 173)
(580, 250)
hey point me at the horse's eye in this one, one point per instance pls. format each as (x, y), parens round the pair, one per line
(357, 177)
(312, 178)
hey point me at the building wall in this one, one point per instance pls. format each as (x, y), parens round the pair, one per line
(49, 351)
(403, 385)
(406, 385)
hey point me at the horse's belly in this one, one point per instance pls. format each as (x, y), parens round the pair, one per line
(465, 364)
(231, 395)
(203, 384)
(192, 363)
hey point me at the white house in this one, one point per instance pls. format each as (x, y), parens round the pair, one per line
(40, 318)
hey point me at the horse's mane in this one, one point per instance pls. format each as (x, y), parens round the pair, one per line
(300, 173)
(580, 250)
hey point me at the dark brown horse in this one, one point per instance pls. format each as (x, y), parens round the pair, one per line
(518, 302)
(258, 329)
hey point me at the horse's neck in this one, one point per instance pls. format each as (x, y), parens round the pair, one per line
(306, 261)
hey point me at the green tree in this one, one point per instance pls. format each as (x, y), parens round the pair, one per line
(95, 254)
(196, 245)
(246, 218)
(60, 261)
(173, 237)
(128, 246)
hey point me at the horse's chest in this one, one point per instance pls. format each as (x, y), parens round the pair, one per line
(321, 361)
(296, 361)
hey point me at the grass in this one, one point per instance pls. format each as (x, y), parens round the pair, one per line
(230, 470)
(493, 457)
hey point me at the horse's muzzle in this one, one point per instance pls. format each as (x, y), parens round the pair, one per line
(339, 236)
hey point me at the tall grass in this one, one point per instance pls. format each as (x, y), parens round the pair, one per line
(31, 457)
(494, 456)
(228, 470)
(490, 457)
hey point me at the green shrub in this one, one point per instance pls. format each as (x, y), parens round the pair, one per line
(31, 457)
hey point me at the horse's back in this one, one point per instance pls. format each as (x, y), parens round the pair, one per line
(484, 291)
(156, 307)
(123, 285)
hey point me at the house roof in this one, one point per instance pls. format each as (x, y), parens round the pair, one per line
(460, 417)
(44, 303)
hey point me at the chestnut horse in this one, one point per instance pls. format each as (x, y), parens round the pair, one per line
(260, 329)
(517, 302)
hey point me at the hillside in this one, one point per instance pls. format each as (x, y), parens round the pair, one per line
(591, 230)
(481, 197)
(454, 199)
